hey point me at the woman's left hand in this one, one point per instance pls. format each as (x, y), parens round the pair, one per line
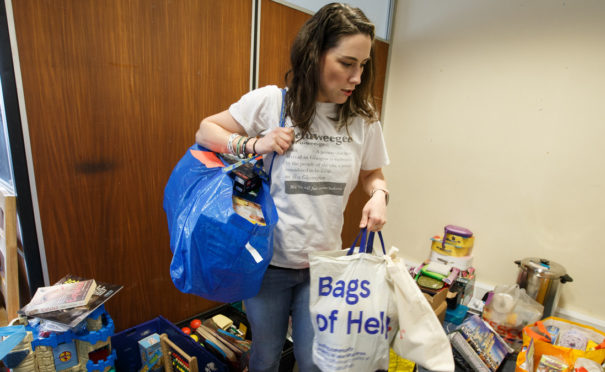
(374, 213)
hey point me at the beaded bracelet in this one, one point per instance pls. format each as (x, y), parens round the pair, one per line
(254, 146)
(230, 142)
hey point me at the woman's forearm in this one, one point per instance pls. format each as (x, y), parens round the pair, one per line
(215, 130)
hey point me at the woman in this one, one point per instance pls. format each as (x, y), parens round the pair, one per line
(331, 139)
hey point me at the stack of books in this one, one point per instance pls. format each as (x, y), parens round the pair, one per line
(478, 345)
(69, 301)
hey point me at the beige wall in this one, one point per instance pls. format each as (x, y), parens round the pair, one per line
(495, 121)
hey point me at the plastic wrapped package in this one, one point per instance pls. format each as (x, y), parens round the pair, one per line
(508, 310)
(588, 365)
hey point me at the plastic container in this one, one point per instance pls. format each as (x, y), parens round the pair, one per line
(456, 241)
(457, 315)
(462, 263)
(125, 344)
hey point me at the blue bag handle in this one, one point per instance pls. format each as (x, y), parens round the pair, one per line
(14, 335)
(371, 242)
(367, 243)
(282, 123)
(362, 234)
(232, 167)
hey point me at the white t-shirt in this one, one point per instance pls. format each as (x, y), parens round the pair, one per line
(312, 181)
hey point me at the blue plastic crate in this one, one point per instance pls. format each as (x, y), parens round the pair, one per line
(125, 344)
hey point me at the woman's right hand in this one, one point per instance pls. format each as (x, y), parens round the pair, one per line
(278, 140)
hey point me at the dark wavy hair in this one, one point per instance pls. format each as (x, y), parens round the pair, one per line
(323, 31)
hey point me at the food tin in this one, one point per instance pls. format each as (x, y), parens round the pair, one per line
(457, 241)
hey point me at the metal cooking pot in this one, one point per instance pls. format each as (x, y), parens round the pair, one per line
(541, 279)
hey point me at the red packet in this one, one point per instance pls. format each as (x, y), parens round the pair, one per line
(208, 158)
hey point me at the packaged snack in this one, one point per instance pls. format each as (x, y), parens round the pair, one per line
(549, 363)
(249, 210)
(554, 334)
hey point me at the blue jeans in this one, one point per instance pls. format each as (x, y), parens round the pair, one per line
(283, 292)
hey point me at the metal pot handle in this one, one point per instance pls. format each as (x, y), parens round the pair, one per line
(566, 278)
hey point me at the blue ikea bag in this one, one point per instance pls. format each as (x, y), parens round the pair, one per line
(217, 254)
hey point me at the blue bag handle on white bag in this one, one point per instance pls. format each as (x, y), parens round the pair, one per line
(14, 335)
(366, 245)
(370, 244)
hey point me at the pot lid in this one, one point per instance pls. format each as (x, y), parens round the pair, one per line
(543, 267)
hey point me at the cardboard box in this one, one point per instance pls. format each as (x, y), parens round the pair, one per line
(151, 352)
(438, 303)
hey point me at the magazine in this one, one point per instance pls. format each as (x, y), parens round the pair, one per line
(60, 296)
(72, 317)
(467, 353)
(485, 341)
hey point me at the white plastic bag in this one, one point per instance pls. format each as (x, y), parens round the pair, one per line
(350, 309)
(508, 310)
(420, 336)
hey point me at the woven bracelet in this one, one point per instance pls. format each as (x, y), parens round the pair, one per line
(243, 153)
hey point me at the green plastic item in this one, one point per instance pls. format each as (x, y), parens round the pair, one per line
(430, 283)
(433, 274)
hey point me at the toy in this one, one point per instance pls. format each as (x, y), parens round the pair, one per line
(195, 323)
(151, 353)
(86, 350)
(186, 330)
(177, 360)
(222, 321)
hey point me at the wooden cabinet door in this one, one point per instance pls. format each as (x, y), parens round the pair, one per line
(114, 92)
(279, 26)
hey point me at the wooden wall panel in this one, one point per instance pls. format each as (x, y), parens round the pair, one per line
(114, 92)
(279, 26)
